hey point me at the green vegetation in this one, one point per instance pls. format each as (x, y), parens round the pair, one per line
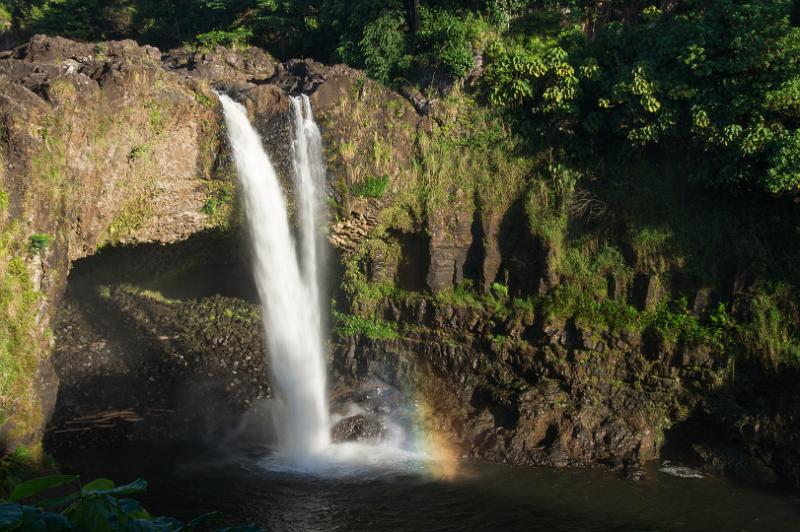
(50, 162)
(460, 295)
(772, 332)
(230, 39)
(348, 325)
(720, 78)
(19, 350)
(219, 204)
(205, 100)
(139, 151)
(147, 293)
(99, 505)
(362, 293)
(133, 215)
(674, 323)
(471, 156)
(38, 242)
(23, 463)
(373, 187)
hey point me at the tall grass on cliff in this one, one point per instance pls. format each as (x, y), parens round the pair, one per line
(19, 306)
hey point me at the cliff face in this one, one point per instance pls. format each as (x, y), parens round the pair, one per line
(455, 282)
(476, 310)
(100, 146)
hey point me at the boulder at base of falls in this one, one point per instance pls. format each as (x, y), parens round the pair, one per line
(358, 428)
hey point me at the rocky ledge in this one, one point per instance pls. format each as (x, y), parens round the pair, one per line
(114, 143)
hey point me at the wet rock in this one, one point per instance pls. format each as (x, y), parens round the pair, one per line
(703, 299)
(382, 266)
(492, 258)
(265, 102)
(699, 355)
(548, 278)
(618, 287)
(135, 145)
(422, 104)
(185, 368)
(358, 428)
(299, 76)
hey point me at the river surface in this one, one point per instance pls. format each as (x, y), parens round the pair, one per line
(189, 481)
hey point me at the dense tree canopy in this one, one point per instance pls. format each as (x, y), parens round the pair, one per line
(723, 75)
(720, 78)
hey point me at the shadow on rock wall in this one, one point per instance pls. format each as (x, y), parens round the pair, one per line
(158, 343)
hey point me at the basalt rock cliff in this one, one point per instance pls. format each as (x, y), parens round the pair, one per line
(114, 144)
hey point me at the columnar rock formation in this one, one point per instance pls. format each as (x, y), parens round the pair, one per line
(114, 143)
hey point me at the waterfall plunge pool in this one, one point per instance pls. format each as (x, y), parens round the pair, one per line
(187, 481)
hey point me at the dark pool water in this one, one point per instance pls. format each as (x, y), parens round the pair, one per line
(187, 481)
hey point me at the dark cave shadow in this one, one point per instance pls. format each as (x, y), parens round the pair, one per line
(522, 259)
(122, 355)
(733, 429)
(205, 264)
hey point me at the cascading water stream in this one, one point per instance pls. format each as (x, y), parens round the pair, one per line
(287, 276)
(288, 279)
(309, 176)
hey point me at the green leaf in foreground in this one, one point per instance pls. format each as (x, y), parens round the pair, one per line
(38, 485)
(103, 486)
(10, 515)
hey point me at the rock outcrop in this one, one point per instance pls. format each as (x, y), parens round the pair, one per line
(115, 143)
(101, 145)
(358, 428)
(451, 239)
(179, 367)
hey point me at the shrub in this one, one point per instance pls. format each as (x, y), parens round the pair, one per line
(719, 78)
(500, 291)
(38, 242)
(348, 325)
(373, 187)
(231, 39)
(538, 75)
(771, 331)
(459, 295)
(383, 46)
(675, 323)
(446, 39)
(138, 151)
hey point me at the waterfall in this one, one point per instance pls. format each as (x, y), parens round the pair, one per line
(309, 179)
(287, 275)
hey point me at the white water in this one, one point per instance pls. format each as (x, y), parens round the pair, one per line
(287, 276)
(309, 178)
(288, 281)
